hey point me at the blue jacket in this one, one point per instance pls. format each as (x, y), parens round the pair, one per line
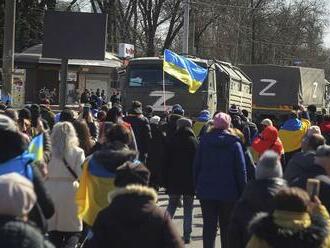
(219, 167)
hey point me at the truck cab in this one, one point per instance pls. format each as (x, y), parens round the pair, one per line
(143, 81)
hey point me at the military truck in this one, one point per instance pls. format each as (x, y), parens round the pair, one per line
(277, 90)
(142, 80)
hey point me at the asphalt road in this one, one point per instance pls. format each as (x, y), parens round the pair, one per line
(196, 236)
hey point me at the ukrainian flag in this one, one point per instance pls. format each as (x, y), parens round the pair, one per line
(95, 185)
(36, 147)
(184, 70)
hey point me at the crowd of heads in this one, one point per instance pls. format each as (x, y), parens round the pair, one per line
(98, 126)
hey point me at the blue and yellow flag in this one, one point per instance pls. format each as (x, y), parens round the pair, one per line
(36, 147)
(184, 70)
(95, 185)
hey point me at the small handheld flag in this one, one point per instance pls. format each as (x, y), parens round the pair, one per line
(184, 70)
(36, 147)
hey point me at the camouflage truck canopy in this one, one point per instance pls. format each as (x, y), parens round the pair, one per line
(282, 87)
(234, 87)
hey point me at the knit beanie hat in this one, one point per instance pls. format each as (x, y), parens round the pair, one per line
(154, 120)
(267, 122)
(269, 166)
(12, 142)
(17, 195)
(313, 130)
(177, 109)
(234, 110)
(204, 116)
(136, 108)
(132, 173)
(183, 122)
(222, 121)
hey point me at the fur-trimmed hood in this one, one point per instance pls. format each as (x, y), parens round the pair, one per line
(134, 189)
(132, 205)
(314, 236)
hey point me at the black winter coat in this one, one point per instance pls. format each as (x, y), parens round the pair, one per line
(298, 164)
(178, 170)
(317, 172)
(134, 220)
(156, 155)
(15, 233)
(44, 208)
(142, 132)
(257, 197)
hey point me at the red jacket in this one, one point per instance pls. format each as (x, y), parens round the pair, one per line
(268, 140)
(325, 127)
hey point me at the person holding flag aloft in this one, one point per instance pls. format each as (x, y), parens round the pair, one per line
(14, 157)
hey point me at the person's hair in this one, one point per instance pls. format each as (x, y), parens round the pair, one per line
(101, 115)
(245, 113)
(315, 140)
(293, 115)
(35, 114)
(291, 199)
(118, 133)
(12, 113)
(84, 135)
(105, 108)
(12, 144)
(113, 114)
(312, 108)
(269, 166)
(63, 137)
(67, 115)
(24, 114)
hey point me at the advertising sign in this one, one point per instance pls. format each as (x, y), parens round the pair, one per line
(18, 88)
(126, 50)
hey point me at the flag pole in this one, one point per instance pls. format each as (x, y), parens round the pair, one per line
(164, 90)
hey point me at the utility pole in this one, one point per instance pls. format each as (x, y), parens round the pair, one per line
(185, 43)
(8, 48)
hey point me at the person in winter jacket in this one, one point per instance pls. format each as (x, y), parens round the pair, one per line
(257, 197)
(249, 162)
(202, 119)
(15, 158)
(133, 218)
(17, 199)
(269, 140)
(141, 128)
(178, 175)
(99, 172)
(64, 170)
(115, 115)
(47, 114)
(240, 122)
(293, 131)
(320, 170)
(303, 160)
(296, 221)
(219, 178)
(156, 153)
(325, 128)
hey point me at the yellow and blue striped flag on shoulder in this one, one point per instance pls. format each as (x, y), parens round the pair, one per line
(184, 70)
(36, 147)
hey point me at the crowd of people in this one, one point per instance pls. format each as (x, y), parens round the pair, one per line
(97, 181)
